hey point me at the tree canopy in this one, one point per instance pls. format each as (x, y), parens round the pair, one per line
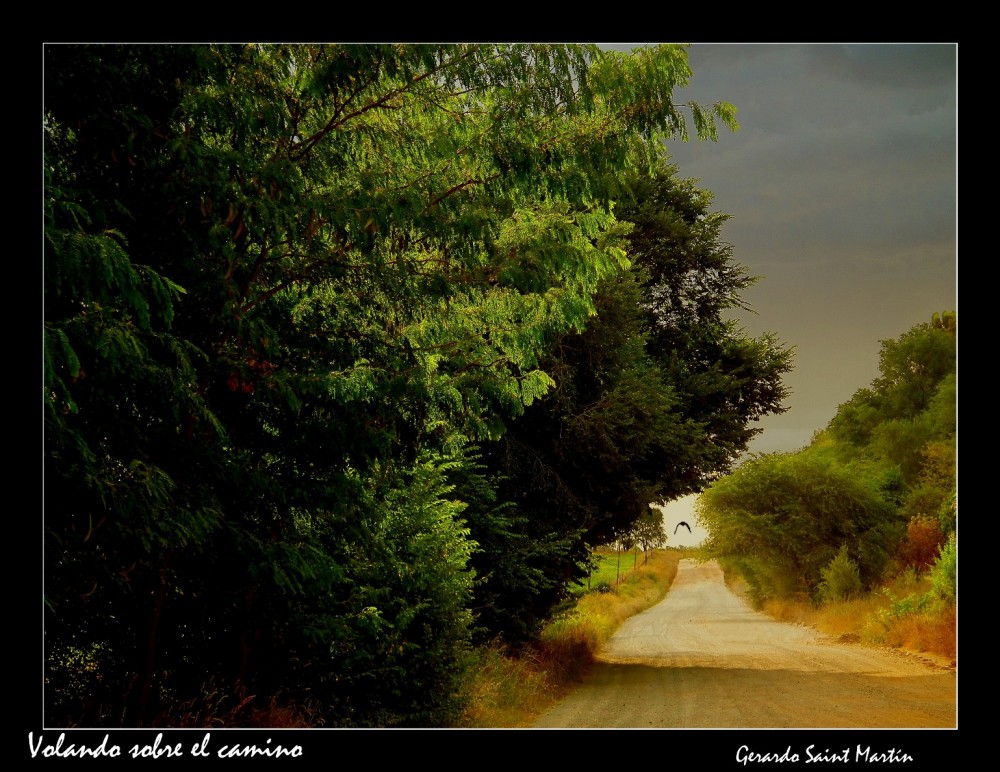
(653, 400)
(292, 293)
(876, 487)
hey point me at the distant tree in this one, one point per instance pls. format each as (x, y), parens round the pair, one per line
(784, 516)
(907, 418)
(886, 459)
(911, 403)
(649, 532)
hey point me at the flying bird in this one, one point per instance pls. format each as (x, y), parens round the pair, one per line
(684, 524)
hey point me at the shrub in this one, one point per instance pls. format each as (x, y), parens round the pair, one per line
(793, 511)
(840, 579)
(944, 572)
(923, 542)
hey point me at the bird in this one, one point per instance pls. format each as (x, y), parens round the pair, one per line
(684, 524)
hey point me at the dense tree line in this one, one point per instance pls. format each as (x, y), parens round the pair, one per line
(874, 492)
(653, 400)
(350, 353)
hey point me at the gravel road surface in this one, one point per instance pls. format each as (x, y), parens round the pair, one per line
(703, 658)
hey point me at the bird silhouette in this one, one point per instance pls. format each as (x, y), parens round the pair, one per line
(684, 524)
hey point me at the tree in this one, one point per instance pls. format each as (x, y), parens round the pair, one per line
(649, 532)
(887, 459)
(906, 419)
(841, 578)
(653, 400)
(287, 289)
(782, 517)
(581, 465)
(724, 380)
(911, 403)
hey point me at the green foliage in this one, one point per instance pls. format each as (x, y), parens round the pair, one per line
(948, 514)
(786, 516)
(840, 578)
(936, 603)
(655, 398)
(913, 603)
(886, 458)
(907, 420)
(409, 618)
(944, 572)
(768, 578)
(288, 288)
(722, 380)
(911, 405)
(648, 529)
(609, 568)
(941, 595)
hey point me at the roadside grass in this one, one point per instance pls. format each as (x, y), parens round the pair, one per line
(504, 690)
(931, 633)
(900, 614)
(507, 689)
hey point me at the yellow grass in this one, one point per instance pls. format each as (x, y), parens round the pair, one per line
(505, 690)
(871, 619)
(933, 633)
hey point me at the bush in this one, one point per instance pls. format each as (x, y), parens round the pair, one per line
(793, 511)
(944, 572)
(840, 579)
(923, 542)
(767, 579)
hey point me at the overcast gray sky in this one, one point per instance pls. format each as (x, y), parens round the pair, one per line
(841, 184)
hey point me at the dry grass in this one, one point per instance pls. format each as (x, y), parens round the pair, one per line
(933, 633)
(848, 618)
(842, 618)
(879, 618)
(217, 708)
(506, 689)
(792, 610)
(512, 691)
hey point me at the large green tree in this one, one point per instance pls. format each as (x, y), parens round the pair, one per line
(656, 398)
(912, 402)
(724, 379)
(287, 289)
(782, 518)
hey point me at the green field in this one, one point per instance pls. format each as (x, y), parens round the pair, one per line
(608, 569)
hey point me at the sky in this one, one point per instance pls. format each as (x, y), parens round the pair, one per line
(842, 188)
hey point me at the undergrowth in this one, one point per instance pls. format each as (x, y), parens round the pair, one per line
(914, 610)
(508, 689)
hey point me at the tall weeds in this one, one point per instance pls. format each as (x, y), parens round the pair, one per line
(916, 610)
(510, 689)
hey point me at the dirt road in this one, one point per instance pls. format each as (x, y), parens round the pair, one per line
(703, 658)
